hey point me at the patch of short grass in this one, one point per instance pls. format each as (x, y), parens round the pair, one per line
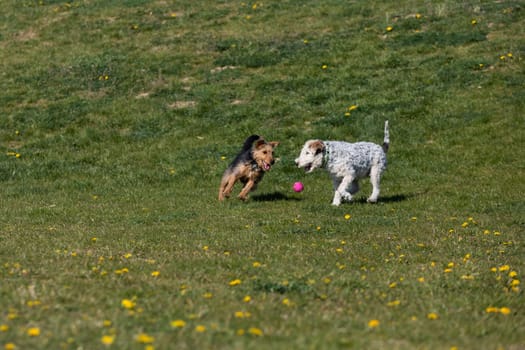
(119, 119)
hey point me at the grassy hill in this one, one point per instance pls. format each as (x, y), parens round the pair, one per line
(118, 119)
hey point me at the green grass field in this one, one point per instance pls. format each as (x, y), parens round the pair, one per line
(119, 117)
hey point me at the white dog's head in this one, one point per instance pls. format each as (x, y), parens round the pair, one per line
(311, 156)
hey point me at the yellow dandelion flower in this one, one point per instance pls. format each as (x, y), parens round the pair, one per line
(144, 338)
(107, 339)
(347, 114)
(128, 255)
(200, 329)
(418, 15)
(9, 346)
(223, 158)
(33, 303)
(491, 309)
(465, 224)
(467, 277)
(515, 283)
(4, 328)
(106, 323)
(207, 295)
(509, 55)
(33, 332)
(504, 268)
(256, 264)
(432, 316)
(473, 22)
(373, 323)
(128, 304)
(287, 302)
(324, 66)
(421, 279)
(513, 274)
(155, 273)
(504, 310)
(348, 216)
(393, 303)
(178, 324)
(247, 299)
(205, 248)
(255, 331)
(447, 270)
(389, 28)
(352, 108)
(235, 282)
(392, 285)
(305, 41)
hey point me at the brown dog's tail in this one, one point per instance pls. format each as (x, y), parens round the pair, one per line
(386, 140)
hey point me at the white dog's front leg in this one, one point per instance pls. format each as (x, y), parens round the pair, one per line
(337, 196)
(341, 192)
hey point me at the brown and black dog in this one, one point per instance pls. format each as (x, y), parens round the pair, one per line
(249, 166)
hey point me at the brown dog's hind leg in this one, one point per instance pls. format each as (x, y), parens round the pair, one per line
(226, 186)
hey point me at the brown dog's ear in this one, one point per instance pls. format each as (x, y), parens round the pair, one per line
(259, 143)
(274, 143)
(317, 146)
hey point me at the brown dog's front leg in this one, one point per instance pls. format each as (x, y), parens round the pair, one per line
(246, 189)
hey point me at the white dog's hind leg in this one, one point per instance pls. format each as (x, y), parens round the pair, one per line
(375, 177)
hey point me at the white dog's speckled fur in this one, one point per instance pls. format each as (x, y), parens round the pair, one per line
(347, 163)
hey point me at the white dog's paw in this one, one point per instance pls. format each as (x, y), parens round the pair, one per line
(347, 197)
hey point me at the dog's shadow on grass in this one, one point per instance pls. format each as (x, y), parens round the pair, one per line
(279, 196)
(274, 196)
(396, 198)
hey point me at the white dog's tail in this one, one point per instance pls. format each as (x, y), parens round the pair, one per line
(386, 140)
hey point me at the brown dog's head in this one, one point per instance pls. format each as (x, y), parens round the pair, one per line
(263, 153)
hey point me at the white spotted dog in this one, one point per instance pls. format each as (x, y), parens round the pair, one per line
(347, 163)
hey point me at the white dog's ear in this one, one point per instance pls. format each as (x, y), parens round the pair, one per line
(317, 147)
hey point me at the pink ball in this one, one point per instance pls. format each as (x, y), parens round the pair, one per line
(298, 187)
